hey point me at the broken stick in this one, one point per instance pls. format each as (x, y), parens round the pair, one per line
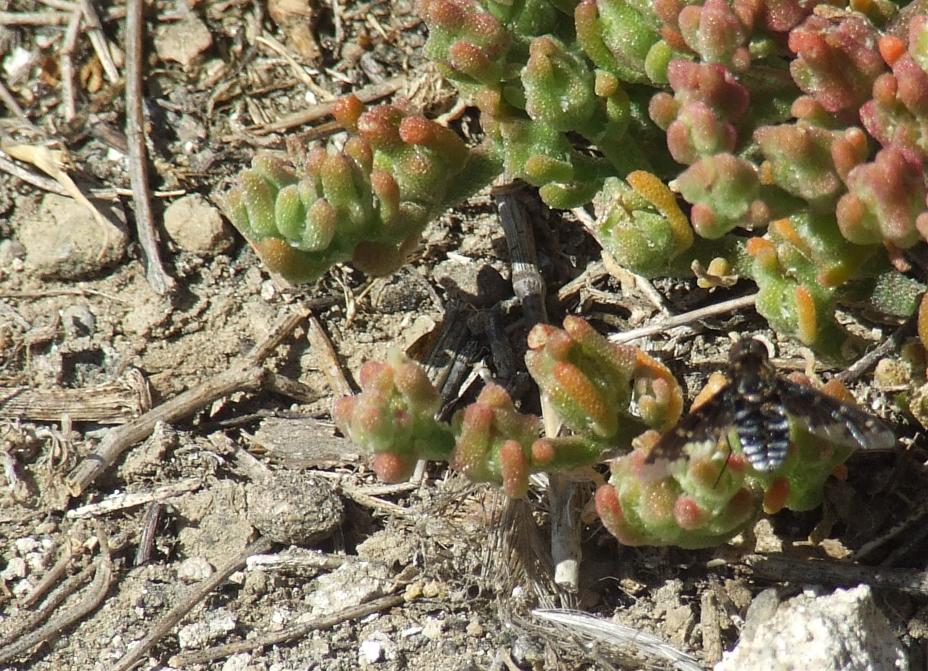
(248, 375)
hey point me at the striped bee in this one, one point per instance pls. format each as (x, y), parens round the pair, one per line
(759, 405)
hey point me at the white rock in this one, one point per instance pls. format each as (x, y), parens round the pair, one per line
(843, 631)
(15, 568)
(376, 648)
(25, 545)
(16, 61)
(237, 662)
(370, 652)
(348, 585)
(433, 629)
(214, 625)
(194, 569)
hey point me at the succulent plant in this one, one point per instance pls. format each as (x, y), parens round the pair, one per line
(393, 418)
(702, 501)
(768, 138)
(782, 142)
(367, 203)
(591, 382)
(612, 398)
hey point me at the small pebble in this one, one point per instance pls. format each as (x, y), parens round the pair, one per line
(294, 508)
(201, 633)
(26, 544)
(78, 321)
(433, 629)
(348, 585)
(268, 291)
(15, 568)
(239, 662)
(194, 569)
(474, 628)
(184, 41)
(64, 240)
(370, 652)
(11, 251)
(432, 589)
(196, 226)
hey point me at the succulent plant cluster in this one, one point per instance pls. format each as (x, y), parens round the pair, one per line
(612, 398)
(590, 381)
(782, 141)
(366, 202)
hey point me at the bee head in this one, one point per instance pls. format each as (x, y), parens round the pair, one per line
(749, 352)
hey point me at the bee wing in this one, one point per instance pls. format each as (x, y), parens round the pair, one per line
(704, 423)
(832, 419)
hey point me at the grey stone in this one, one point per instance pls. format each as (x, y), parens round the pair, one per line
(213, 626)
(65, 241)
(10, 252)
(78, 321)
(294, 508)
(196, 226)
(348, 585)
(184, 41)
(842, 631)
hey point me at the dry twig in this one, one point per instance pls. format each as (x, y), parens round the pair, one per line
(9, 100)
(913, 521)
(289, 634)
(132, 499)
(29, 177)
(35, 619)
(710, 616)
(805, 571)
(529, 287)
(63, 5)
(33, 18)
(298, 70)
(110, 403)
(247, 375)
(319, 110)
(147, 537)
(64, 291)
(68, 100)
(366, 501)
(53, 574)
(615, 634)
(159, 280)
(337, 21)
(196, 595)
(328, 359)
(52, 163)
(889, 345)
(9, 166)
(103, 575)
(686, 318)
(305, 559)
(98, 40)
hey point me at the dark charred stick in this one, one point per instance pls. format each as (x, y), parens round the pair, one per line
(149, 529)
(529, 287)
